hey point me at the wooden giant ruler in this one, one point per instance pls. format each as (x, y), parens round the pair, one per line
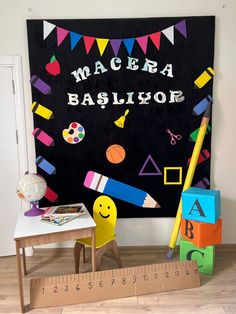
(113, 284)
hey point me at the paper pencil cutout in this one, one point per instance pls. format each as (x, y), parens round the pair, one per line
(45, 165)
(51, 195)
(204, 155)
(202, 105)
(43, 137)
(203, 184)
(42, 86)
(204, 78)
(194, 134)
(42, 111)
(122, 191)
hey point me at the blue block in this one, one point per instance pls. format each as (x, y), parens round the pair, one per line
(201, 205)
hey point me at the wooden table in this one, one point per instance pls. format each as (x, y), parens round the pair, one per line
(30, 231)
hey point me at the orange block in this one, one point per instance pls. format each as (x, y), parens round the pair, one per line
(200, 233)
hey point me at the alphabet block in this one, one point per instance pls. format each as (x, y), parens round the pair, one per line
(205, 257)
(200, 233)
(201, 205)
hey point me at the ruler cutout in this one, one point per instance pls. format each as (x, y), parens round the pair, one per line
(113, 284)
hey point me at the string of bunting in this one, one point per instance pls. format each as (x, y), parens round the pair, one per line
(102, 43)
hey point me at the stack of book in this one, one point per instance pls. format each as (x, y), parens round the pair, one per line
(59, 215)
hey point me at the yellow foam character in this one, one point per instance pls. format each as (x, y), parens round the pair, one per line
(104, 215)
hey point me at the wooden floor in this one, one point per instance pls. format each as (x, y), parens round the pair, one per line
(217, 293)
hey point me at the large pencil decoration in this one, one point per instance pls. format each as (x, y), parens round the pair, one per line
(122, 191)
(189, 177)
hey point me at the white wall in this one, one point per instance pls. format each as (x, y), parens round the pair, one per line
(13, 40)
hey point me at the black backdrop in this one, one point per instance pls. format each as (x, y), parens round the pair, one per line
(144, 131)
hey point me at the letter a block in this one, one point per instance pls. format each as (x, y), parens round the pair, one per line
(200, 233)
(201, 205)
(205, 257)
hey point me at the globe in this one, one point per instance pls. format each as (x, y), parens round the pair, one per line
(31, 188)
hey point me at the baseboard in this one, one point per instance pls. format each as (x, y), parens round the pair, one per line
(143, 249)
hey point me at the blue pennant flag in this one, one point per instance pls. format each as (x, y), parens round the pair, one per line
(129, 44)
(74, 39)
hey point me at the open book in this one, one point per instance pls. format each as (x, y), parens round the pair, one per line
(66, 210)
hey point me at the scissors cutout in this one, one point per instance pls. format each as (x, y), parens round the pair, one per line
(174, 137)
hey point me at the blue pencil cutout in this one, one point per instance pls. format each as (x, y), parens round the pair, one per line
(117, 189)
(45, 165)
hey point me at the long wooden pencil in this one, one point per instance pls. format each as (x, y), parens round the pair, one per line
(189, 177)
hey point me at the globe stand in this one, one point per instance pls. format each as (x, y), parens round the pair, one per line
(34, 210)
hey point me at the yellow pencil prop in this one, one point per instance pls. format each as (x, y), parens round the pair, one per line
(189, 177)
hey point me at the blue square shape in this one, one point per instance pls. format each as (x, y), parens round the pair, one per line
(201, 205)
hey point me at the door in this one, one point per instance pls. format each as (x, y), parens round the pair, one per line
(10, 205)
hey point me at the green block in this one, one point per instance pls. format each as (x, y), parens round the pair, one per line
(205, 256)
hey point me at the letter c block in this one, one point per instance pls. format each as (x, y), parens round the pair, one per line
(201, 205)
(205, 257)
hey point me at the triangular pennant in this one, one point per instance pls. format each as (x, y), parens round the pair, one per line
(102, 43)
(61, 35)
(129, 44)
(143, 40)
(150, 160)
(156, 39)
(181, 27)
(169, 33)
(74, 39)
(115, 45)
(47, 28)
(88, 42)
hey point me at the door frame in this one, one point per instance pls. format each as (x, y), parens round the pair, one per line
(15, 62)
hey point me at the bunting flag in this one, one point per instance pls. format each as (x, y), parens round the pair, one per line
(47, 28)
(88, 42)
(129, 44)
(115, 43)
(61, 35)
(74, 39)
(169, 33)
(181, 27)
(102, 43)
(156, 39)
(142, 41)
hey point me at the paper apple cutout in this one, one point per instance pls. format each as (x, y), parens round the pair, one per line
(53, 67)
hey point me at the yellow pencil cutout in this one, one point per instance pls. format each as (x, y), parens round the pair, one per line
(205, 77)
(42, 111)
(189, 177)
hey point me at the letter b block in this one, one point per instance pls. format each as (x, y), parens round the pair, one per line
(205, 257)
(201, 205)
(200, 233)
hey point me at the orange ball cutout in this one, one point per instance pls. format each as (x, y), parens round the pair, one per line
(115, 154)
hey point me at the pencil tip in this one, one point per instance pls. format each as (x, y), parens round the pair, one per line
(207, 113)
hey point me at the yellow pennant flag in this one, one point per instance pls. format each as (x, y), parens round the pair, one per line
(102, 43)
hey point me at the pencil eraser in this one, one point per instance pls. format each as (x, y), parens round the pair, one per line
(88, 179)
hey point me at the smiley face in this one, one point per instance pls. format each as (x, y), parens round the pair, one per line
(104, 209)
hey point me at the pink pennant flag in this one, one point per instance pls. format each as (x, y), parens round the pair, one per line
(143, 40)
(61, 35)
(156, 39)
(88, 42)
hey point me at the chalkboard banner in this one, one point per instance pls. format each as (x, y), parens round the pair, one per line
(118, 104)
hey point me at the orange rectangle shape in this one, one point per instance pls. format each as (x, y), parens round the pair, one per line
(200, 233)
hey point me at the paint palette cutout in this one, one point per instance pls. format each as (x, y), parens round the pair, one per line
(74, 134)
